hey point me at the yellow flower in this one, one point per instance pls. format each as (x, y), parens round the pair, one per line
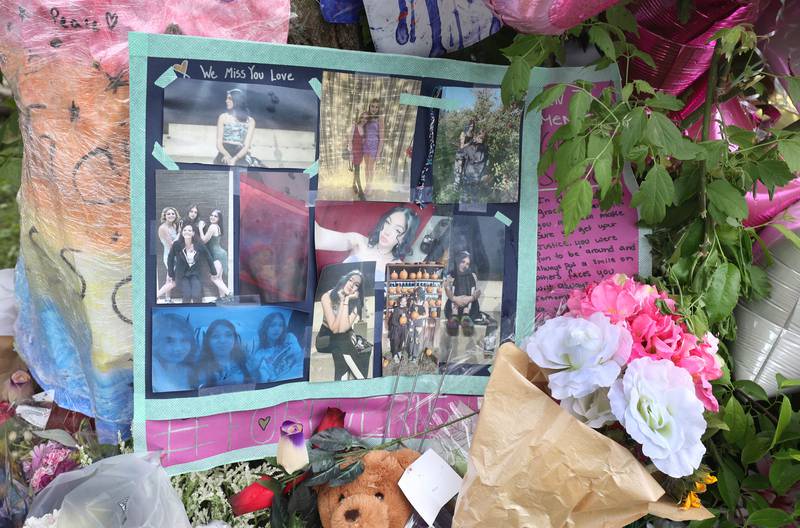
(710, 479)
(700, 487)
(691, 501)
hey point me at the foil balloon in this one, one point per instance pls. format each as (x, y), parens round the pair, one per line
(546, 17)
(66, 65)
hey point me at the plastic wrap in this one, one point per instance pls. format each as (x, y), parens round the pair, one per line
(67, 67)
(118, 492)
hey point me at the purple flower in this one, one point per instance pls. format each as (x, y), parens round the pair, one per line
(48, 460)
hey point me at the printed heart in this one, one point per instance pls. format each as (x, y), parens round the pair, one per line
(264, 422)
(111, 20)
(181, 68)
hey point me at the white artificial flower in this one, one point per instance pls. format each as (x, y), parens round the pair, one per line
(48, 521)
(584, 354)
(656, 403)
(594, 410)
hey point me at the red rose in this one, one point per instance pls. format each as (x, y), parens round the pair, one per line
(7, 411)
(253, 498)
(333, 418)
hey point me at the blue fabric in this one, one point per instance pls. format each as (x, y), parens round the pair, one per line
(341, 11)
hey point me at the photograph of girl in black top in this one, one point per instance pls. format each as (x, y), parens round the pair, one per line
(185, 266)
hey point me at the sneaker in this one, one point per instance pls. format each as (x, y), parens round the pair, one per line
(467, 326)
(452, 326)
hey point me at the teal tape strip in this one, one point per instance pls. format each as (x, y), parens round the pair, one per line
(165, 78)
(503, 218)
(312, 169)
(316, 86)
(429, 102)
(163, 158)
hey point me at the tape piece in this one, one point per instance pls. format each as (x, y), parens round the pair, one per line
(316, 86)
(165, 78)
(430, 102)
(312, 169)
(163, 158)
(503, 218)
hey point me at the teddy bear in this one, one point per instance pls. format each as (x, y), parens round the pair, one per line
(374, 499)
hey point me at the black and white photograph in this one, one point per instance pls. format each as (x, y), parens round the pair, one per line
(253, 125)
(193, 238)
(343, 323)
(197, 348)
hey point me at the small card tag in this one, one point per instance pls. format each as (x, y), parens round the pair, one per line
(428, 484)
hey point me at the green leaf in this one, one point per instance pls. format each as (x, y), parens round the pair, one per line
(348, 475)
(755, 481)
(644, 87)
(655, 194)
(644, 57)
(736, 420)
(320, 460)
(547, 97)
(599, 36)
(752, 389)
(773, 173)
(788, 234)
(728, 486)
(546, 159)
(633, 126)
(692, 238)
(612, 197)
(579, 104)
(759, 282)
(576, 205)
(784, 418)
(769, 518)
(334, 439)
(722, 293)
(663, 133)
(786, 383)
(793, 87)
(688, 183)
(599, 149)
(783, 474)
(740, 137)
(619, 16)
(727, 199)
(754, 450)
(664, 101)
(789, 149)
(515, 81)
(627, 91)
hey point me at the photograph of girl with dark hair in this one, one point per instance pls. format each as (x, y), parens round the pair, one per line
(222, 357)
(174, 357)
(203, 348)
(185, 266)
(477, 148)
(235, 128)
(366, 137)
(343, 322)
(473, 290)
(168, 233)
(198, 269)
(279, 356)
(364, 232)
(240, 124)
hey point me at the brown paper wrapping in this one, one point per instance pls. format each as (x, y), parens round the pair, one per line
(533, 465)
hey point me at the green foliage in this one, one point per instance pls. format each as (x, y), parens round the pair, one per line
(10, 171)
(692, 194)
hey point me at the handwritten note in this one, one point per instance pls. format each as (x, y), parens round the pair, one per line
(605, 243)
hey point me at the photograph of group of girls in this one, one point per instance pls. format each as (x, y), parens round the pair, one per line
(204, 348)
(383, 233)
(273, 235)
(476, 158)
(413, 307)
(193, 237)
(252, 125)
(366, 137)
(343, 323)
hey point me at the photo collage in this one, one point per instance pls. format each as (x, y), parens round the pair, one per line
(286, 244)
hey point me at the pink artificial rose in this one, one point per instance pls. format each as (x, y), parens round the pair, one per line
(549, 17)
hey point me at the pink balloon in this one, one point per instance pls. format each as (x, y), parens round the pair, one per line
(546, 17)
